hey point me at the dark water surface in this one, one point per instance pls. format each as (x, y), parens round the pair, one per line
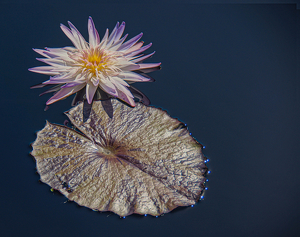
(230, 71)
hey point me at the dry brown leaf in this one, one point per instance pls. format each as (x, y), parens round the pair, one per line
(139, 161)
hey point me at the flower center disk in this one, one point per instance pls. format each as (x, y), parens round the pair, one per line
(95, 61)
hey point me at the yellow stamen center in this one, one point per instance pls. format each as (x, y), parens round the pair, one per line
(96, 61)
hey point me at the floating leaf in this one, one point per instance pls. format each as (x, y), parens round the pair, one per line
(140, 160)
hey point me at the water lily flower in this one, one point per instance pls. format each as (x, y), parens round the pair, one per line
(109, 65)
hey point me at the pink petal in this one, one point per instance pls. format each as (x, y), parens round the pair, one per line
(104, 39)
(69, 75)
(72, 84)
(148, 65)
(124, 90)
(148, 70)
(125, 95)
(108, 87)
(60, 81)
(90, 92)
(41, 52)
(130, 42)
(142, 58)
(68, 48)
(117, 44)
(95, 81)
(53, 89)
(140, 66)
(79, 79)
(132, 76)
(132, 67)
(63, 93)
(118, 80)
(59, 52)
(44, 70)
(120, 31)
(135, 47)
(52, 55)
(65, 78)
(64, 69)
(78, 36)
(94, 38)
(52, 61)
(136, 52)
(111, 38)
(124, 63)
(69, 34)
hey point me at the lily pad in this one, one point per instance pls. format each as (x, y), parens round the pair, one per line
(140, 160)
